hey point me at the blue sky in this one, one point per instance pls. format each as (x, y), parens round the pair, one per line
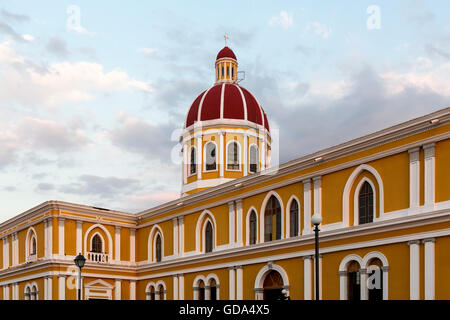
(88, 109)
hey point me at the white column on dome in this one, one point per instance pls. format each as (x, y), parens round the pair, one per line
(199, 155)
(244, 154)
(221, 162)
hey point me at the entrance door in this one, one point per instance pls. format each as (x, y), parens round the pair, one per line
(353, 281)
(273, 285)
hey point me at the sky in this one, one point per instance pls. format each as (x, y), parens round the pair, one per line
(93, 94)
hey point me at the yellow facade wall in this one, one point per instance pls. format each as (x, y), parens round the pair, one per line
(442, 184)
(442, 263)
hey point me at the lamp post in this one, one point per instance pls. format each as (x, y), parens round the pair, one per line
(316, 220)
(79, 262)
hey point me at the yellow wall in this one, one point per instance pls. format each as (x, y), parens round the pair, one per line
(442, 154)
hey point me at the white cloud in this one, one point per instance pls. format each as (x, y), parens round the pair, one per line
(284, 19)
(319, 29)
(147, 51)
(58, 83)
(28, 37)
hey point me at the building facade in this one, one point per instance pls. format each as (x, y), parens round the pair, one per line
(242, 230)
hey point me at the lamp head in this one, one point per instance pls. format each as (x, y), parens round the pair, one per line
(316, 219)
(79, 260)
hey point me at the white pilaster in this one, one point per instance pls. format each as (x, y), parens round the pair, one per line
(132, 289)
(414, 178)
(429, 269)
(175, 287)
(199, 156)
(117, 242)
(118, 290)
(307, 206)
(363, 284)
(239, 283)
(62, 287)
(15, 249)
(50, 236)
(46, 239)
(244, 154)
(181, 286)
(133, 245)
(5, 252)
(61, 245)
(232, 283)
(343, 285)
(181, 237)
(429, 174)
(307, 277)
(317, 195)
(414, 270)
(175, 236)
(221, 161)
(79, 237)
(6, 292)
(231, 225)
(239, 223)
(49, 288)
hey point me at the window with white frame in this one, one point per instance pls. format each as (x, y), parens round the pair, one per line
(209, 237)
(233, 157)
(254, 159)
(294, 218)
(252, 227)
(365, 199)
(210, 155)
(193, 162)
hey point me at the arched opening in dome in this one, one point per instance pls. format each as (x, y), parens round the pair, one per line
(210, 155)
(254, 159)
(233, 156)
(193, 162)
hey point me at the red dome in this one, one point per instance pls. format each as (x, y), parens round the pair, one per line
(226, 101)
(226, 53)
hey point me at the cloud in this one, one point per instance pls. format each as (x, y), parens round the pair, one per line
(45, 187)
(147, 51)
(15, 16)
(104, 187)
(9, 31)
(57, 47)
(319, 29)
(284, 19)
(31, 83)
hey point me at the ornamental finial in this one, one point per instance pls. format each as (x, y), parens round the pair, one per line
(226, 39)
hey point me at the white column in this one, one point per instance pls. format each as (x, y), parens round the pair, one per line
(117, 243)
(181, 286)
(307, 206)
(6, 292)
(199, 156)
(343, 285)
(244, 154)
(132, 289)
(307, 277)
(317, 195)
(61, 245)
(5, 252)
(363, 284)
(231, 225)
(49, 288)
(175, 287)
(385, 282)
(62, 287)
(239, 222)
(175, 236)
(414, 270)
(181, 236)
(221, 153)
(414, 178)
(45, 238)
(239, 283)
(79, 237)
(15, 251)
(118, 290)
(45, 288)
(50, 236)
(429, 174)
(232, 283)
(429, 268)
(132, 245)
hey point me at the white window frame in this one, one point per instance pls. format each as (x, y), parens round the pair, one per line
(239, 156)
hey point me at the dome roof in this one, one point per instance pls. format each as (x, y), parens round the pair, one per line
(226, 53)
(226, 101)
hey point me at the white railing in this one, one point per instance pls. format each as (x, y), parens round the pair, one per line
(98, 257)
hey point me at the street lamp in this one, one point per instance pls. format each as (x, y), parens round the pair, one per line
(79, 262)
(316, 220)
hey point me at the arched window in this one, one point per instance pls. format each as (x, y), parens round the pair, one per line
(201, 290)
(293, 218)
(252, 227)
(151, 293)
(33, 246)
(158, 248)
(210, 156)
(212, 289)
(223, 73)
(272, 220)
(193, 161)
(375, 279)
(366, 204)
(97, 244)
(209, 235)
(233, 156)
(273, 286)
(254, 159)
(161, 292)
(34, 293)
(27, 293)
(354, 281)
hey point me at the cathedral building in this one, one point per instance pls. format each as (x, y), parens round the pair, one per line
(240, 233)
